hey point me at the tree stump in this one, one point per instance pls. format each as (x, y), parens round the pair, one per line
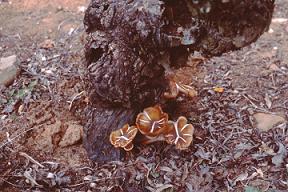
(129, 42)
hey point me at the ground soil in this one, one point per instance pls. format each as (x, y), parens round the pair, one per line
(41, 113)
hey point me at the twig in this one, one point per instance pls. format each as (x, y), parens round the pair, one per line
(60, 25)
(228, 137)
(74, 98)
(14, 185)
(12, 139)
(31, 159)
(254, 105)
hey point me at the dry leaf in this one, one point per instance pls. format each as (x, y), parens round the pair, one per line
(166, 169)
(185, 173)
(30, 178)
(241, 177)
(219, 89)
(278, 159)
(274, 67)
(266, 149)
(268, 101)
(163, 187)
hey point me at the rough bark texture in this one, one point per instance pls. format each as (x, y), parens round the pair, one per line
(128, 42)
(97, 138)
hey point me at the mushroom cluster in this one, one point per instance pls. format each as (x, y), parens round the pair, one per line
(154, 125)
(177, 87)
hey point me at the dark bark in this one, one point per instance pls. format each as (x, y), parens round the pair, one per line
(128, 42)
(100, 121)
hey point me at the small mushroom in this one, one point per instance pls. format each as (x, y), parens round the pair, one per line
(180, 133)
(176, 87)
(123, 137)
(152, 121)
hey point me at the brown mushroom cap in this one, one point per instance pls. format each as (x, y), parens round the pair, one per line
(152, 121)
(180, 133)
(173, 90)
(186, 89)
(129, 147)
(176, 87)
(123, 137)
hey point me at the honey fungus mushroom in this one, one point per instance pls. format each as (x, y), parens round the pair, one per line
(180, 133)
(177, 87)
(123, 137)
(152, 121)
